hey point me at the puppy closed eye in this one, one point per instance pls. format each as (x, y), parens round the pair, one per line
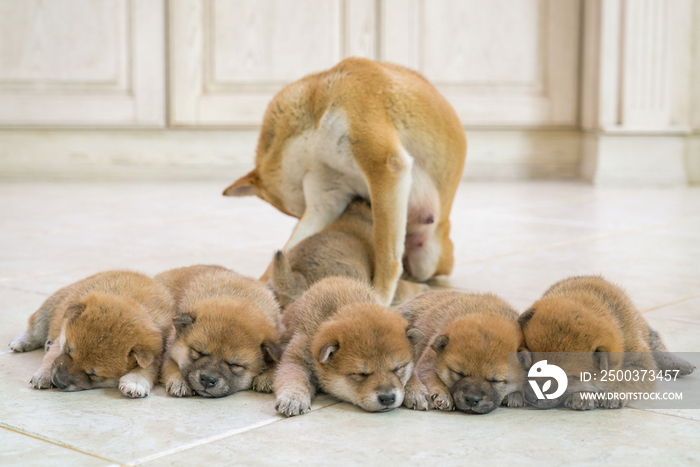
(196, 355)
(236, 368)
(358, 377)
(497, 381)
(399, 371)
(457, 374)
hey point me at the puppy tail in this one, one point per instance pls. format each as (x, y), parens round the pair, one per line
(666, 360)
(286, 282)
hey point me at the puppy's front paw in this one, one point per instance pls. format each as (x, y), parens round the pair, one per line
(264, 381)
(41, 380)
(576, 401)
(441, 400)
(611, 404)
(134, 386)
(176, 386)
(416, 397)
(293, 404)
(23, 343)
(515, 399)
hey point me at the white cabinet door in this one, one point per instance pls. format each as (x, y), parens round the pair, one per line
(499, 62)
(229, 57)
(82, 62)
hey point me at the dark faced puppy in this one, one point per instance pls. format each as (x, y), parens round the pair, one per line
(226, 337)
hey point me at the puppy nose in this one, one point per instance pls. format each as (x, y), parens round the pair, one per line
(387, 399)
(472, 400)
(207, 381)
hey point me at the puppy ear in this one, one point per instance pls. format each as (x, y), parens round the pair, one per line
(244, 186)
(415, 336)
(74, 311)
(326, 352)
(440, 343)
(524, 358)
(182, 321)
(526, 317)
(142, 356)
(271, 351)
(601, 357)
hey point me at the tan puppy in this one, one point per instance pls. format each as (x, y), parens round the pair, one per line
(463, 363)
(105, 331)
(226, 333)
(369, 129)
(342, 341)
(595, 318)
(344, 248)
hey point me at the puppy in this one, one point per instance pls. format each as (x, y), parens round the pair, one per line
(226, 333)
(105, 331)
(597, 320)
(341, 340)
(344, 248)
(369, 129)
(463, 362)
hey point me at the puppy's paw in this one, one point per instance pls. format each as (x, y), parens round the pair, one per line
(515, 399)
(416, 398)
(264, 381)
(611, 404)
(441, 400)
(41, 380)
(176, 386)
(24, 343)
(134, 386)
(293, 404)
(576, 401)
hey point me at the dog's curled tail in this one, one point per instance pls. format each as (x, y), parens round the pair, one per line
(288, 284)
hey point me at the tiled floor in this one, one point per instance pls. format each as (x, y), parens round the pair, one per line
(511, 239)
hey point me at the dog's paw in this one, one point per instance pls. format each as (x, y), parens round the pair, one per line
(611, 404)
(515, 399)
(441, 400)
(293, 404)
(134, 386)
(416, 398)
(576, 401)
(24, 343)
(41, 380)
(178, 387)
(264, 381)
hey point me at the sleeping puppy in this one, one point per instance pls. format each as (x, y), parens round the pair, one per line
(463, 362)
(344, 248)
(105, 331)
(342, 341)
(226, 333)
(595, 319)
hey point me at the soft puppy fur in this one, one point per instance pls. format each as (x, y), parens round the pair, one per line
(105, 331)
(596, 319)
(344, 248)
(370, 129)
(226, 333)
(341, 340)
(463, 362)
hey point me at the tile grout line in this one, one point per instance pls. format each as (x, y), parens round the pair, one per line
(681, 300)
(667, 414)
(70, 448)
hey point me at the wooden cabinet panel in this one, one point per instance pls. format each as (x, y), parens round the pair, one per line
(81, 62)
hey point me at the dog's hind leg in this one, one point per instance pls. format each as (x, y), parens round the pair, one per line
(38, 329)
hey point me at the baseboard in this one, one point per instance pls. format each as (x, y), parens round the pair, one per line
(205, 154)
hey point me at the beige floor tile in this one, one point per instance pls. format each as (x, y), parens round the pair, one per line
(344, 435)
(20, 449)
(103, 423)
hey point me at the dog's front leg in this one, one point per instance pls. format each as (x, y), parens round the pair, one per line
(175, 383)
(389, 187)
(138, 382)
(42, 378)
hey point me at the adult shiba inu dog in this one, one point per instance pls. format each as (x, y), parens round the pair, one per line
(344, 248)
(340, 339)
(105, 331)
(226, 333)
(463, 362)
(599, 325)
(369, 129)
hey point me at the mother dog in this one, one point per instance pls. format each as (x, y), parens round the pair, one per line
(369, 129)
